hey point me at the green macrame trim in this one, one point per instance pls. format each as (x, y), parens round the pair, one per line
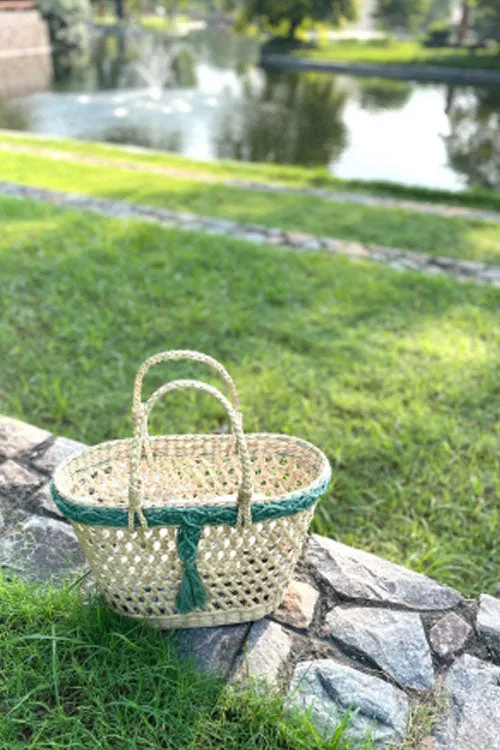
(192, 594)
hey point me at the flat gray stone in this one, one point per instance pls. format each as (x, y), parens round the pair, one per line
(490, 274)
(255, 237)
(360, 575)
(212, 649)
(18, 482)
(42, 549)
(428, 743)
(443, 261)
(61, 449)
(193, 226)
(384, 253)
(276, 239)
(407, 264)
(17, 438)
(312, 245)
(12, 512)
(488, 622)
(297, 608)
(266, 650)
(274, 232)
(472, 719)
(356, 250)
(220, 225)
(394, 641)
(471, 267)
(329, 690)
(42, 502)
(331, 245)
(297, 239)
(449, 635)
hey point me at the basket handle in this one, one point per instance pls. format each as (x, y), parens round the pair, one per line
(176, 354)
(245, 489)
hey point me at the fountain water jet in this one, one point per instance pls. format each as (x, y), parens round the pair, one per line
(157, 68)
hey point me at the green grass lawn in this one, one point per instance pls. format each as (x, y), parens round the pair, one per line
(389, 51)
(459, 238)
(394, 375)
(74, 676)
(155, 23)
(260, 172)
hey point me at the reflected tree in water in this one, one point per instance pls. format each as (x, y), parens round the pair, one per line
(376, 95)
(223, 49)
(109, 56)
(14, 116)
(110, 59)
(288, 118)
(145, 136)
(473, 144)
(116, 56)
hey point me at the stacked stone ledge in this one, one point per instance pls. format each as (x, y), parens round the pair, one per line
(397, 259)
(354, 634)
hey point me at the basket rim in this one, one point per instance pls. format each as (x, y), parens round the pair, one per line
(213, 513)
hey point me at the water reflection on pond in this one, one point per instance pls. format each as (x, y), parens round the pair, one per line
(207, 98)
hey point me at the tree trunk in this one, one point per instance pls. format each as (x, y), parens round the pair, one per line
(294, 24)
(120, 9)
(463, 27)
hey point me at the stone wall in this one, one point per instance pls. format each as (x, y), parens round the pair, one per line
(25, 60)
(427, 73)
(355, 632)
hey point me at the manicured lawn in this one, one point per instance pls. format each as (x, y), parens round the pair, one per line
(394, 375)
(271, 173)
(458, 238)
(74, 676)
(147, 22)
(389, 51)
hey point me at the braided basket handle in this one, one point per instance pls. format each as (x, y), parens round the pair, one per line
(245, 489)
(177, 354)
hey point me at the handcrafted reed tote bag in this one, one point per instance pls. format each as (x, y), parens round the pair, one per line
(190, 530)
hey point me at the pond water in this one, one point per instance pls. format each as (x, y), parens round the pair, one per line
(206, 97)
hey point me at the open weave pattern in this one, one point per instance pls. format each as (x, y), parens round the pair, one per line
(191, 470)
(244, 571)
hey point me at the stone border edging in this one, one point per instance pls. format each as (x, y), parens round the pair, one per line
(337, 639)
(400, 260)
(430, 73)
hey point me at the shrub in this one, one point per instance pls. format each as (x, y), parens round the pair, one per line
(69, 36)
(438, 34)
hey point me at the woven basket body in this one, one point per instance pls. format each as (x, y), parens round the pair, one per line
(168, 531)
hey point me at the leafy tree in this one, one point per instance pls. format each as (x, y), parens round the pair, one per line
(465, 15)
(409, 15)
(473, 144)
(487, 19)
(481, 15)
(68, 30)
(440, 10)
(274, 13)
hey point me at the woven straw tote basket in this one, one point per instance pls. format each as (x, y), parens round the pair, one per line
(192, 530)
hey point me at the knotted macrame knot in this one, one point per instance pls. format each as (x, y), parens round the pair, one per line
(192, 594)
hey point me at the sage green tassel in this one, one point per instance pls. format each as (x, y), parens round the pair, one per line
(192, 594)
